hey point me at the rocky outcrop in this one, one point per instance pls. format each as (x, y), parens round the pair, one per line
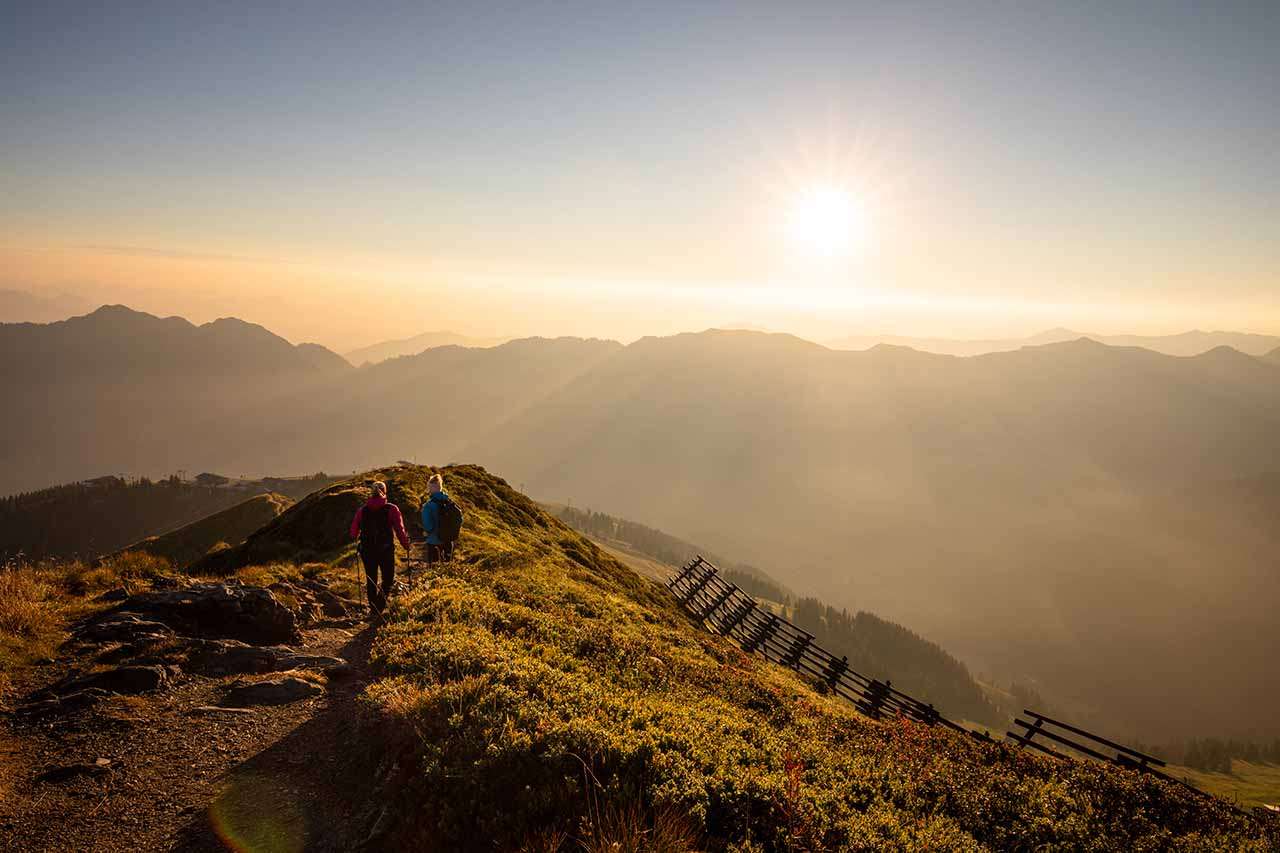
(218, 610)
(122, 628)
(213, 630)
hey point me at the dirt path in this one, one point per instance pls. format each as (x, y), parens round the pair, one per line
(161, 771)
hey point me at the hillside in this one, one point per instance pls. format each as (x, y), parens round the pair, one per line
(875, 646)
(930, 489)
(541, 674)
(89, 519)
(385, 350)
(231, 526)
(538, 673)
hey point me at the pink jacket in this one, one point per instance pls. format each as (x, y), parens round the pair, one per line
(393, 515)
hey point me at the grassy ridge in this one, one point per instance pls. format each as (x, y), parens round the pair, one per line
(193, 541)
(538, 692)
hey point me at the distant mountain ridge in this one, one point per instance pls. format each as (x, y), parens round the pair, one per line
(122, 390)
(919, 486)
(1183, 344)
(1041, 512)
(379, 352)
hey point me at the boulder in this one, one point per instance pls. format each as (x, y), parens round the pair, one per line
(127, 680)
(228, 657)
(218, 610)
(71, 771)
(323, 663)
(278, 692)
(58, 705)
(119, 627)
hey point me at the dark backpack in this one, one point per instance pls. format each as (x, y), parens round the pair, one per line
(448, 520)
(375, 528)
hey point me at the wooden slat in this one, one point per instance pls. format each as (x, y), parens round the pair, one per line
(1079, 747)
(1148, 758)
(1034, 745)
(705, 595)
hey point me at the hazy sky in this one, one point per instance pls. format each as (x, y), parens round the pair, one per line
(352, 172)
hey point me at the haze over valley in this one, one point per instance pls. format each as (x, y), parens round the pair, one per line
(653, 427)
(1087, 518)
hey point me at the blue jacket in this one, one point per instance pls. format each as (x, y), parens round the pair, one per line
(430, 516)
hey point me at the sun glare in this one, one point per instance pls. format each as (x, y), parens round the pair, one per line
(826, 223)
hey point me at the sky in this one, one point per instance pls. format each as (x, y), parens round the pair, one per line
(348, 173)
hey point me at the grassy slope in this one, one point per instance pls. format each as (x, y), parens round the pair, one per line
(538, 690)
(230, 526)
(637, 562)
(1249, 784)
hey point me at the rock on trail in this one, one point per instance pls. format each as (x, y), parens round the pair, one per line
(277, 692)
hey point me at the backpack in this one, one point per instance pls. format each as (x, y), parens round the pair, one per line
(375, 528)
(448, 521)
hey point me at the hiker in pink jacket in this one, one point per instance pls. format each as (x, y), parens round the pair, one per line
(374, 524)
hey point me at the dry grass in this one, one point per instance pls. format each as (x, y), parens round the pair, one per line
(38, 601)
(625, 828)
(31, 616)
(27, 602)
(133, 570)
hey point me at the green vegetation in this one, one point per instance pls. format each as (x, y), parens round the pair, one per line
(1217, 754)
(188, 544)
(536, 692)
(888, 651)
(1247, 783)
(96, 517)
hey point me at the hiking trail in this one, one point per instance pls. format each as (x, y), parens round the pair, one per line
(206, 717)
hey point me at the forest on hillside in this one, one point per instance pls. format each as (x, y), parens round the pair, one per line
(888, 651)
(95, 517)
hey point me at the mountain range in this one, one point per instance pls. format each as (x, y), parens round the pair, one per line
(1097, 521)
(1183, 344)
(412, 346)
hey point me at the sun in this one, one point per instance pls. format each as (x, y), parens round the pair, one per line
(826, 223)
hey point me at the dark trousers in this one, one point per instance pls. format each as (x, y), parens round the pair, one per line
(439, 553)
(379, 560)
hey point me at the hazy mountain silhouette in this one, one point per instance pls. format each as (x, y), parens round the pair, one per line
(20, 306)
(1035, 511)
(416, 344)
(427, 405)
(123, 391)
(1184, 344)
(1096, 519)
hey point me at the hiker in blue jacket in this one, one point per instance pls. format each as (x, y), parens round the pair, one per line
(442, 520)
